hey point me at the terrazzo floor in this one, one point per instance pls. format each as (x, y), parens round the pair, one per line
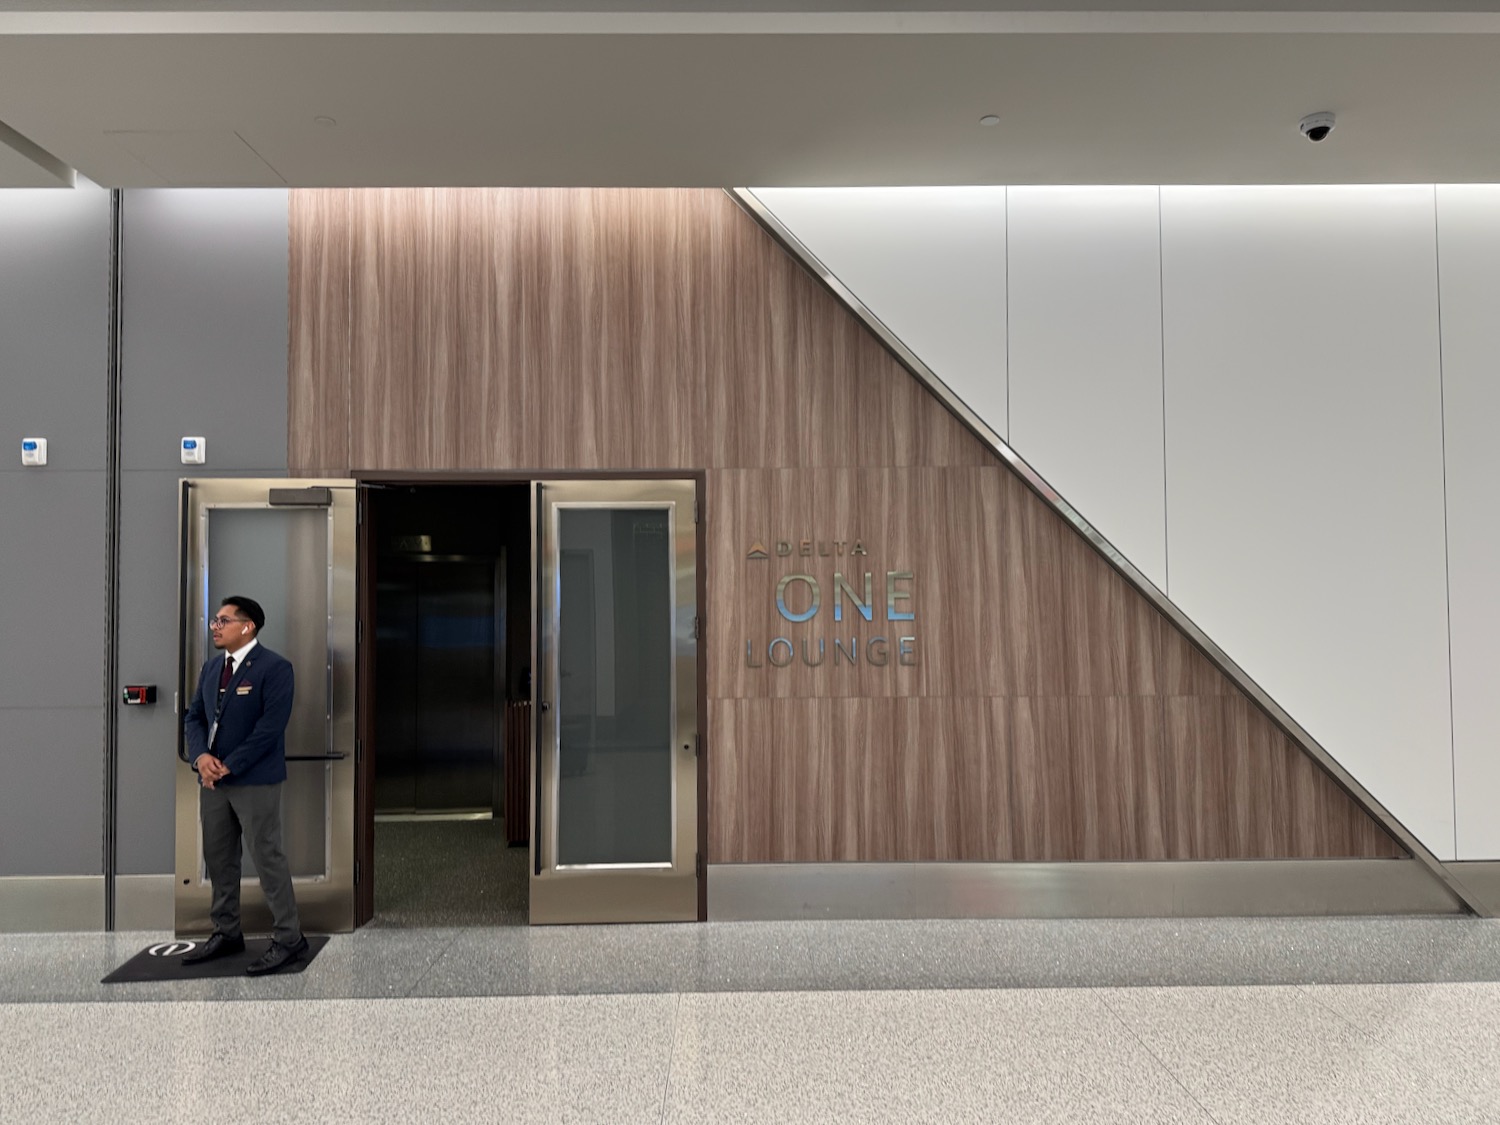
(1209, 1021)
(1259, 1055)
(447, 1010)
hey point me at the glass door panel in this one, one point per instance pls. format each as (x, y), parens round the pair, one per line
(615, 821)
(267, 553)
(290, 545)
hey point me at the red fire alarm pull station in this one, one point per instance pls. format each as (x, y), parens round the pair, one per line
(139, 693)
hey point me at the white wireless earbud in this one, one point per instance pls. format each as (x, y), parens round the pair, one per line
(244, 628)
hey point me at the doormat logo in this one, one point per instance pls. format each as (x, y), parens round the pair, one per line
(172, 948)
(856, 599)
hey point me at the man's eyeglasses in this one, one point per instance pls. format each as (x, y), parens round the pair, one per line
(224, 622)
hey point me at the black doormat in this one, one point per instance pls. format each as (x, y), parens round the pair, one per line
(163, 961)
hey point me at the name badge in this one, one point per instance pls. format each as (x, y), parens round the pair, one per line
(243, 689)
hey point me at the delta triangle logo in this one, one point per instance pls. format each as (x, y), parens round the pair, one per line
(758, 551)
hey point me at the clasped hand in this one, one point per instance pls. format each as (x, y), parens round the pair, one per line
(210, 769)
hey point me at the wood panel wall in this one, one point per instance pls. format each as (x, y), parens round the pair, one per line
(1051, 713)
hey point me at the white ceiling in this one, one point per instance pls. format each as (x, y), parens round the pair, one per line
(733, 92)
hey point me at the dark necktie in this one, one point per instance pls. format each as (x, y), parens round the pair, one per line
(226, 673)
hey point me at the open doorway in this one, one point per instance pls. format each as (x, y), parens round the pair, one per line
(473, 809)
(448, 600)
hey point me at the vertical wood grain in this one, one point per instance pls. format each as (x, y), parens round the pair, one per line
(1053, 713)
(319, 278)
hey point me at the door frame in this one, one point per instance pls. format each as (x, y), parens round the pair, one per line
(366, 749)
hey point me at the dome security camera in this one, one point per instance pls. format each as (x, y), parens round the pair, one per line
(1316, 126)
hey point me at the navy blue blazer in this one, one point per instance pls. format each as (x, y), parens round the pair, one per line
(252, 726)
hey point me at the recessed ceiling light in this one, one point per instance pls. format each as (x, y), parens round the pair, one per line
(990, 119)
(324, 121)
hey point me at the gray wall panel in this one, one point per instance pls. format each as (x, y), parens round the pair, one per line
(205, 347)
(54, 326)
(50, 820)
(205, 340)
(148, 655)
(54, 374)
(52, 593)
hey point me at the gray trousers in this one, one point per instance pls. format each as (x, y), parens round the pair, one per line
(254, 812)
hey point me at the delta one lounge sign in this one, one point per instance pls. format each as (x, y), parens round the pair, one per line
(853, 612)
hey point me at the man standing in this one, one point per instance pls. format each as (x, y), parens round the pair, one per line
(236, 739)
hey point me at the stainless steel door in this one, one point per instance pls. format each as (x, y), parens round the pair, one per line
(289, 544)
(614, 828)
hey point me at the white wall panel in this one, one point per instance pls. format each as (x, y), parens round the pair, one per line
(1085, 357)
(1304, 467)
(1469, 268)
(929, 262)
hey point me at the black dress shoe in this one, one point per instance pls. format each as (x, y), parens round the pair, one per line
(217, 946)
(277, 958)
